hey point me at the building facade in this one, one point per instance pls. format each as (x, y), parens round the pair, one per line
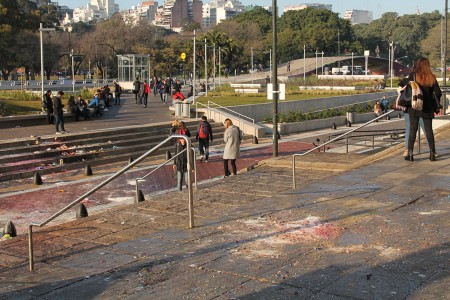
(95, 10)
(144, 11)
(307, 5)
(358, 16)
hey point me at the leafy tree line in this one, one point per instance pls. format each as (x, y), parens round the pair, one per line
(97, 44)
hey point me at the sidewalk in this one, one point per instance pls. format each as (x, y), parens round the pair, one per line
(379, 231)
(127, 114)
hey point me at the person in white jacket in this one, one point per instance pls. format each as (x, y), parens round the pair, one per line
(232, 139)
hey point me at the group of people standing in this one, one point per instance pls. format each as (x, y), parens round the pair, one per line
(232, 138)
(163, 87)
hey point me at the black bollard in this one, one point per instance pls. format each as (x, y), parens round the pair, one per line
(87, 170)
(10, 229)
(82, 211)
(130, 160)
(388, 117)
(37, 179)
(139, 197)
(333, 126)
(168, 155)
(349, 124)
(255, 140)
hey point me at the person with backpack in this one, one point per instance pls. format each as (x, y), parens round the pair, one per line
(47, 105)
(431, 93)
(117, 92)
(204, 136)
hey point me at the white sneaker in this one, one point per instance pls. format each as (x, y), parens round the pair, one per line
(105, 109)
(201, 158)
(58, 132)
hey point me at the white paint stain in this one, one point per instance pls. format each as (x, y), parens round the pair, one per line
(431, 212)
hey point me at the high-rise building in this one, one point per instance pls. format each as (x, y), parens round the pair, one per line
(358, 16)
(174, 14)
(307, 5)
(219, 10)
(95, 10)
(143, 11)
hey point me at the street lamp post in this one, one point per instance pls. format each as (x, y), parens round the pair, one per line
(193, 75)
(251, 61)
(275, 79)
(322, 61)
(73, 71)
(392, 61)
(316, 64)
(304, 64)
(41, 29)
(214, 64)
(206, 68)
(220, 65)
(339, 49)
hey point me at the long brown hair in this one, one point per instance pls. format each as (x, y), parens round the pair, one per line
(423, 72)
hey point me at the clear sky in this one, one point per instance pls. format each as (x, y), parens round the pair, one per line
(378, 7)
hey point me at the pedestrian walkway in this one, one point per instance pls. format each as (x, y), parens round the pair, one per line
(127, 114)
(376, 231)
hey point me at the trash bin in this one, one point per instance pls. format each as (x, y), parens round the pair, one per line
(178, 106)
(186, 111)
(351, 116)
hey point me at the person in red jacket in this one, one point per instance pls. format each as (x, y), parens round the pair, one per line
(146, 91)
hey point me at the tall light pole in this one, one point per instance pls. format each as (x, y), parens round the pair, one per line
(251, 61)
(316, 64)
(220, 65)
(73, 71)
(322, 61)
(392, 61)
(445, 44)
(41, 29)
(193, 75)
(206, 68)
(304, 64)
(339, 49)
(214, 64)
(275, 79)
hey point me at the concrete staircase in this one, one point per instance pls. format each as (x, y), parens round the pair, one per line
(51, 154)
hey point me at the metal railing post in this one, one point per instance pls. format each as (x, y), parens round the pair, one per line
(30, 247)
(190, 193)
(332, 140)
(114, 176)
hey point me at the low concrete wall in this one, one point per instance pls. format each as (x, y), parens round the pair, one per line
(246, 126)
(259, 111)
(288, 128)
(333, 88)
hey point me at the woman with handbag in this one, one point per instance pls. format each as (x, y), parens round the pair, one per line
(431, 94)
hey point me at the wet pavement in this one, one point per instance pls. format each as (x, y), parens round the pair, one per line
(376, 229)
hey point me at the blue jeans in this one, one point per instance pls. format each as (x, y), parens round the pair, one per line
(407, 128)
(180, 180)
(145, 99)
(59, 120)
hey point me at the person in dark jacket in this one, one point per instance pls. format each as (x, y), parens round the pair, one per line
(431, 94)
(180, 163)
(47, 104)
(59, 113)
(136, 88)
(203, 136)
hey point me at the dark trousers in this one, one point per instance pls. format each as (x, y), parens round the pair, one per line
(414, 125)
(233, 166)
(49, 117)
(203, 147)
(145, 98)
(59, 120)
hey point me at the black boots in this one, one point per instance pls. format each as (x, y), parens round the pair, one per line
(409, 157)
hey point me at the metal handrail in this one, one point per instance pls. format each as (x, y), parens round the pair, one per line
(330, 141)
(165, 163)
(108, 180)
(233, 114)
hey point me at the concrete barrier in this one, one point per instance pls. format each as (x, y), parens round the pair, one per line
(246, 91)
